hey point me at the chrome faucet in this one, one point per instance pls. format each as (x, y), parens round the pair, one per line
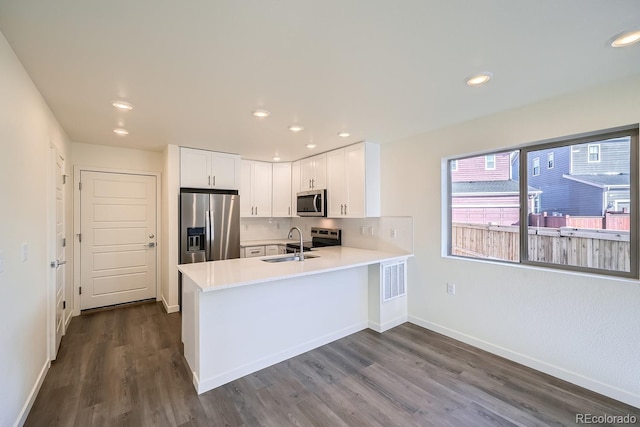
(301, 244)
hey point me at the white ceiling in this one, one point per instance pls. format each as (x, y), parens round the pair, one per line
(380, 69)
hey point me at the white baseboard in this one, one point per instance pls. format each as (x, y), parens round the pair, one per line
(169, 308)
(221, 379)
(387, 325)
(569, 376)
(24, 413)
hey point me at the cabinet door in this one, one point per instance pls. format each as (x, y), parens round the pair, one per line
(320, 171)
(336, 187)
(295, 187)
(281, 190)
(262, 188)
(225, 171)
(246, 189)
(354, 173)
(194, 168)
(307, 174)
(271, 250)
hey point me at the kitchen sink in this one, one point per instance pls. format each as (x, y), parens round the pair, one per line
(289, 258)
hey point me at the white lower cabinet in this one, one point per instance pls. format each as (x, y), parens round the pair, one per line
(254, 251)
(271, 250)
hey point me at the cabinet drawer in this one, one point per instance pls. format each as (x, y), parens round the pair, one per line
(254, 251)
(271, 250)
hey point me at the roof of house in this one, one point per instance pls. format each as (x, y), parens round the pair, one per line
(602, 180)
(489, 187)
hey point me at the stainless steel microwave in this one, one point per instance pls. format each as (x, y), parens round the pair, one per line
(312, 203)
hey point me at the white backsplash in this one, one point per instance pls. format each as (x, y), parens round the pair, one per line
(264, 228)
(385, 233)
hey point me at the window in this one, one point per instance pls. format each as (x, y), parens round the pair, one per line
(490, 162)
(594, 153)
(536, 166)
(584, 218)
(454, 165)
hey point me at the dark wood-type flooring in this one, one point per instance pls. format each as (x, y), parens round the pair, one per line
(124, 367)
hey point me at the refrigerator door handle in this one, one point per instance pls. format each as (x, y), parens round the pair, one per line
(208, 237)
(212, 234)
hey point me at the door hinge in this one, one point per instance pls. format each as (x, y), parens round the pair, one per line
(80, 290)
(64, 179)
(80, 186)
(64, 242)
(64, 305)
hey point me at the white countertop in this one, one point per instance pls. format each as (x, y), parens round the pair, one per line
(246, 243)
(224, 274)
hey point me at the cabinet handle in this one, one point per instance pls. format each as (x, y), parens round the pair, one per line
(256, 210)
(341, 209)
(251, 210)
(214, 180)
(255, 252)
(345, 209)
(209, 180)
(313, 183)
(289, 210)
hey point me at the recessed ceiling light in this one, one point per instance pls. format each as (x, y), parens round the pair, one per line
(121, 132)
(311, 146)
(276, 158)
(122, 105)
(478, 79)
(295, 128)
(261, 114)
(626, 39)
(344, 134)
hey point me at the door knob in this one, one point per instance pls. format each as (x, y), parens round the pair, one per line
(152, 244)
(151, 236)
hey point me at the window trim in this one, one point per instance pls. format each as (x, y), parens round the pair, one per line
(453, 162)
(589, 153)
(533, 166)
(632, 131)
(486, 162)
(551, 160)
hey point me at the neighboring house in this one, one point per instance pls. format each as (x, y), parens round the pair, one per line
(582, 180)
(483, 190)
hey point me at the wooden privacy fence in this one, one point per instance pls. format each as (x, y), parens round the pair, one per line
(603, 249)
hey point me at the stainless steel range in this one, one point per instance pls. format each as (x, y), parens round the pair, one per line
(320, 237)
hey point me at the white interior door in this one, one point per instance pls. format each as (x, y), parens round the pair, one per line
(118, 238)
(58, 264)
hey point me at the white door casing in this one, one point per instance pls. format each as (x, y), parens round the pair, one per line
(58, 258)
(118, 235)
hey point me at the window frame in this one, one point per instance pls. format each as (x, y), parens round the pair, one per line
(551, 160)
(589, 153)
(533, 166)
(631, 131)
(453, 165)
(486, 162)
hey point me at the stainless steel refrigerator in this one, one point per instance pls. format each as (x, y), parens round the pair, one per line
(209, 225)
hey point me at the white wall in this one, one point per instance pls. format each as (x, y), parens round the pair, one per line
(578, 327)
(27, 128)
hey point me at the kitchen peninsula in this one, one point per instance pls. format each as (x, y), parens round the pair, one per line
(242, 315)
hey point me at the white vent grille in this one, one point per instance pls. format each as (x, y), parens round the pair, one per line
(394, 279)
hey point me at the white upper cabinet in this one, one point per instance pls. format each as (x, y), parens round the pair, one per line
(295, 187)
(282, 206)
(313, 173)
(353, 181)
(256, 189)
(209, 169)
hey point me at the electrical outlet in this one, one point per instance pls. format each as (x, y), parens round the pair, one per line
(371, 231)
(451, 288)
(363, 230)
(394, 233)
